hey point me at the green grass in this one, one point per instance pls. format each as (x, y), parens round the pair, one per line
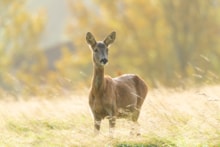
(148, 142)
(168, 119)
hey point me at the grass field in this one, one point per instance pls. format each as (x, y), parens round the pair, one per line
(168, 118)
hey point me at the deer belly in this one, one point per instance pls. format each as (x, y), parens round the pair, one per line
(126, 105)
(124, 113)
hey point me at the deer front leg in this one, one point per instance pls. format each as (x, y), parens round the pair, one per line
(112, 121)
(97, 124)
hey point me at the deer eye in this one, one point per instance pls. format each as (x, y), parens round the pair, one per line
(95, 50)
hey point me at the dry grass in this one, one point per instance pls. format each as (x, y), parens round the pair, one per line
(168, 118)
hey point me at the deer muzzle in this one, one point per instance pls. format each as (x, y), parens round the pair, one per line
(104, 61)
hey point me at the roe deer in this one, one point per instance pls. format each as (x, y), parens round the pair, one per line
(109, 97)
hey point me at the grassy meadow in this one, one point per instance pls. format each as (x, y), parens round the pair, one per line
(169, 118)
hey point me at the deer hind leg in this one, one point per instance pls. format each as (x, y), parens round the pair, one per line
(135, 115)
(135, 130)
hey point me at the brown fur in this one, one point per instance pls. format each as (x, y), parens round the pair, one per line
(109, 97)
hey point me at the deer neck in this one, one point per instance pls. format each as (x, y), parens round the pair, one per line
(98, 79)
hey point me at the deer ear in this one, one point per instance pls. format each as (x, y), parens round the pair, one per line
(110, 38)
(90, 39)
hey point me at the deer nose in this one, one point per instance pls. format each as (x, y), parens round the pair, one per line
(103, 61)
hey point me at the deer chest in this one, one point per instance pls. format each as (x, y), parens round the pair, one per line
(98, 108)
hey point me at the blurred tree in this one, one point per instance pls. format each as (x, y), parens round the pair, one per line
(192, 27)
(19, 35)
(137, 42)
(164, 41)
(70, 70)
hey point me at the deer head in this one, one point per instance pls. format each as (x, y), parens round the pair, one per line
(100, 48)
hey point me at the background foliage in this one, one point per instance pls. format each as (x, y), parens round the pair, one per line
(172, 42)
